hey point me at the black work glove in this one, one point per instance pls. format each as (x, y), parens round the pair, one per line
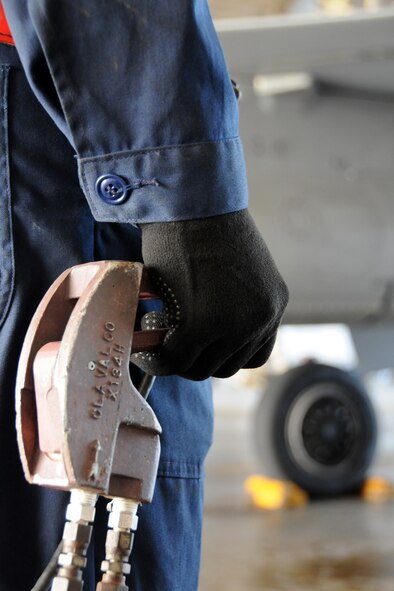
(223, 295)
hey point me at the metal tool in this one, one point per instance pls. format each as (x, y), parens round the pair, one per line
(81, 423)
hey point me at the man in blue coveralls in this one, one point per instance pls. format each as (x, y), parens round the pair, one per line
(119, 129)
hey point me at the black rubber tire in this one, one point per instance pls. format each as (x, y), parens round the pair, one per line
(322, 428)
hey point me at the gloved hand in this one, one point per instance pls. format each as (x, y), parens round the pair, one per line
(223, 295)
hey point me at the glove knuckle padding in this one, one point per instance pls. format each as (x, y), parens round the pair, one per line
(229, 293)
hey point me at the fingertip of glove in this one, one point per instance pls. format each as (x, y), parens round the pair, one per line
(149, 367)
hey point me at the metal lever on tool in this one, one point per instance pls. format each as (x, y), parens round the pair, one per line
(81, 423)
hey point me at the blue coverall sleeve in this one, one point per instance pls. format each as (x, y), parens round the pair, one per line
(142, 92)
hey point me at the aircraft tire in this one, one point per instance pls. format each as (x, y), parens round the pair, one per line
(322, 427)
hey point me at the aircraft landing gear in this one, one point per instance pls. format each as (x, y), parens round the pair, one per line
(322, 428)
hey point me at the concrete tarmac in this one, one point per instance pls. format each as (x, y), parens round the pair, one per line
(337, 545)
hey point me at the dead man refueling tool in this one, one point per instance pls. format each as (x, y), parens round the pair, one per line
(82, 425)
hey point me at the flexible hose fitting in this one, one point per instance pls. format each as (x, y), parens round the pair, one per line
(76, 538)
(123, 522)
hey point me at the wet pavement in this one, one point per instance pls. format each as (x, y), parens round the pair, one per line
(332, 545)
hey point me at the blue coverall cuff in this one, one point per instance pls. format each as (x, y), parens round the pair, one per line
(162, 184)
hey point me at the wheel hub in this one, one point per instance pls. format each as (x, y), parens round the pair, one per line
(328, 431)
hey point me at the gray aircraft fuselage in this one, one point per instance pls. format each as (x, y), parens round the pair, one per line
(320, 163)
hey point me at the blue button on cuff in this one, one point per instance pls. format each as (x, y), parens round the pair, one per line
(112, 189)
(163, 184)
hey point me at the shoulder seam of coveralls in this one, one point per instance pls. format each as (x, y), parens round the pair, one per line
(124, 154)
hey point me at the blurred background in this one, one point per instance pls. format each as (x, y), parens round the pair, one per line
(299, 491)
